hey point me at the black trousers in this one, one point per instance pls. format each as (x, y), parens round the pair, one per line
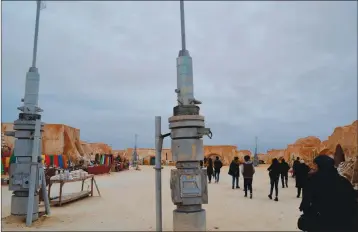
(217, 175)
(299, 190)
(235, 179)
(209, 176)
(248, 185)
(284, 178)
(274, 183)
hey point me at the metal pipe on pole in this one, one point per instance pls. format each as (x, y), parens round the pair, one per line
(158, 172)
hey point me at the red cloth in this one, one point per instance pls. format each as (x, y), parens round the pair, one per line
(55, 160)
(47, 160)
(65, 160)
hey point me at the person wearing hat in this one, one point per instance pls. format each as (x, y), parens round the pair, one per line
(302, 171)
(328, 202)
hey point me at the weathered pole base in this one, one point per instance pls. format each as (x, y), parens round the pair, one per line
(19, 207)
(193, 221)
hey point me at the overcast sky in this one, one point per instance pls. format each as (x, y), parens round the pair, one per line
(276, 70)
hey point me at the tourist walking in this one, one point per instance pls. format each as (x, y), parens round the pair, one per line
(248, 172)
(328, 201)
(274, 173)
(234, 171)
(302, 171)
(217, 166)
(294, 166)
(209, 169)
(284, 173)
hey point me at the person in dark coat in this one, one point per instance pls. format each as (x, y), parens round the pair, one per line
(328, 202)
(296, 163)
(284, 173)
(201, 162)
(217, 166)
(210, 169)
(234, 171)
(248, 172)
(274, 173)
(302, 171)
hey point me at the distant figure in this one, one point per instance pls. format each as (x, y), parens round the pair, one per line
(302, 171)
(284, 173)
(294, 166)
(201, 164)
(328, 202)
(234, 171)
(210, 169)
(217, 165)
(248, 172)
(274, 173)
(205, 162)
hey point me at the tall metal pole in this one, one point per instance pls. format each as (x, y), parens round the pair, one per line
(256, 158)
(188, 180)
(34, 53)
(27, 173)
(182, 25)
(158, 172)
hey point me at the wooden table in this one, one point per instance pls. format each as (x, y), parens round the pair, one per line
(73, 196)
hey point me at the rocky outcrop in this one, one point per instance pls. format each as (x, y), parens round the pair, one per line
(346, 136)
(62, 139)
(309, 147)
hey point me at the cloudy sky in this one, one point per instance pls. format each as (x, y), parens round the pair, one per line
(276, 70)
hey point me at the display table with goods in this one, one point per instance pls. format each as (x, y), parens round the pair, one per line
(67, 177)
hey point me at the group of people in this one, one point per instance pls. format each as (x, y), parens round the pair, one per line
(247, 171)
(329, 201)
(213, 168)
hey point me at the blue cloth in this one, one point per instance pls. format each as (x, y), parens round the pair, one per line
(60, 161)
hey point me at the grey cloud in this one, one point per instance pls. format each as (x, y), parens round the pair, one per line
(278, 70)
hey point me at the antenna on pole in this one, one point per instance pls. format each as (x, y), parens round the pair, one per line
(40, 6)
(182, 24)
(256, 158)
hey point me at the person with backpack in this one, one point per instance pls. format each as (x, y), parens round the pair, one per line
(274, 173)
(329, 202)
(217, 166)
(234, 171)
(248, 172)
(284, 173)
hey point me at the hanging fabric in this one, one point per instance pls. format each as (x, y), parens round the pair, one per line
(52, 163)
(47, 160)
(60, 161)
(65, 160)
(55, 160)
(2, 168)
(7, 162)
(12, 159)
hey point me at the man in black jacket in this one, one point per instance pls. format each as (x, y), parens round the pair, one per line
(234, 171)
(284, 173)
(217, 166)
(296, 163)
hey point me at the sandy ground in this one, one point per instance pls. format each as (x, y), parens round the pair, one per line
(128, 203)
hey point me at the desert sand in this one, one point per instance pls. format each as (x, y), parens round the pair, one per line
(128, 203)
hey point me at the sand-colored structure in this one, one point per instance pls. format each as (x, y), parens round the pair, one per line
(226, 153)
(62, 139)
(309, 147)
